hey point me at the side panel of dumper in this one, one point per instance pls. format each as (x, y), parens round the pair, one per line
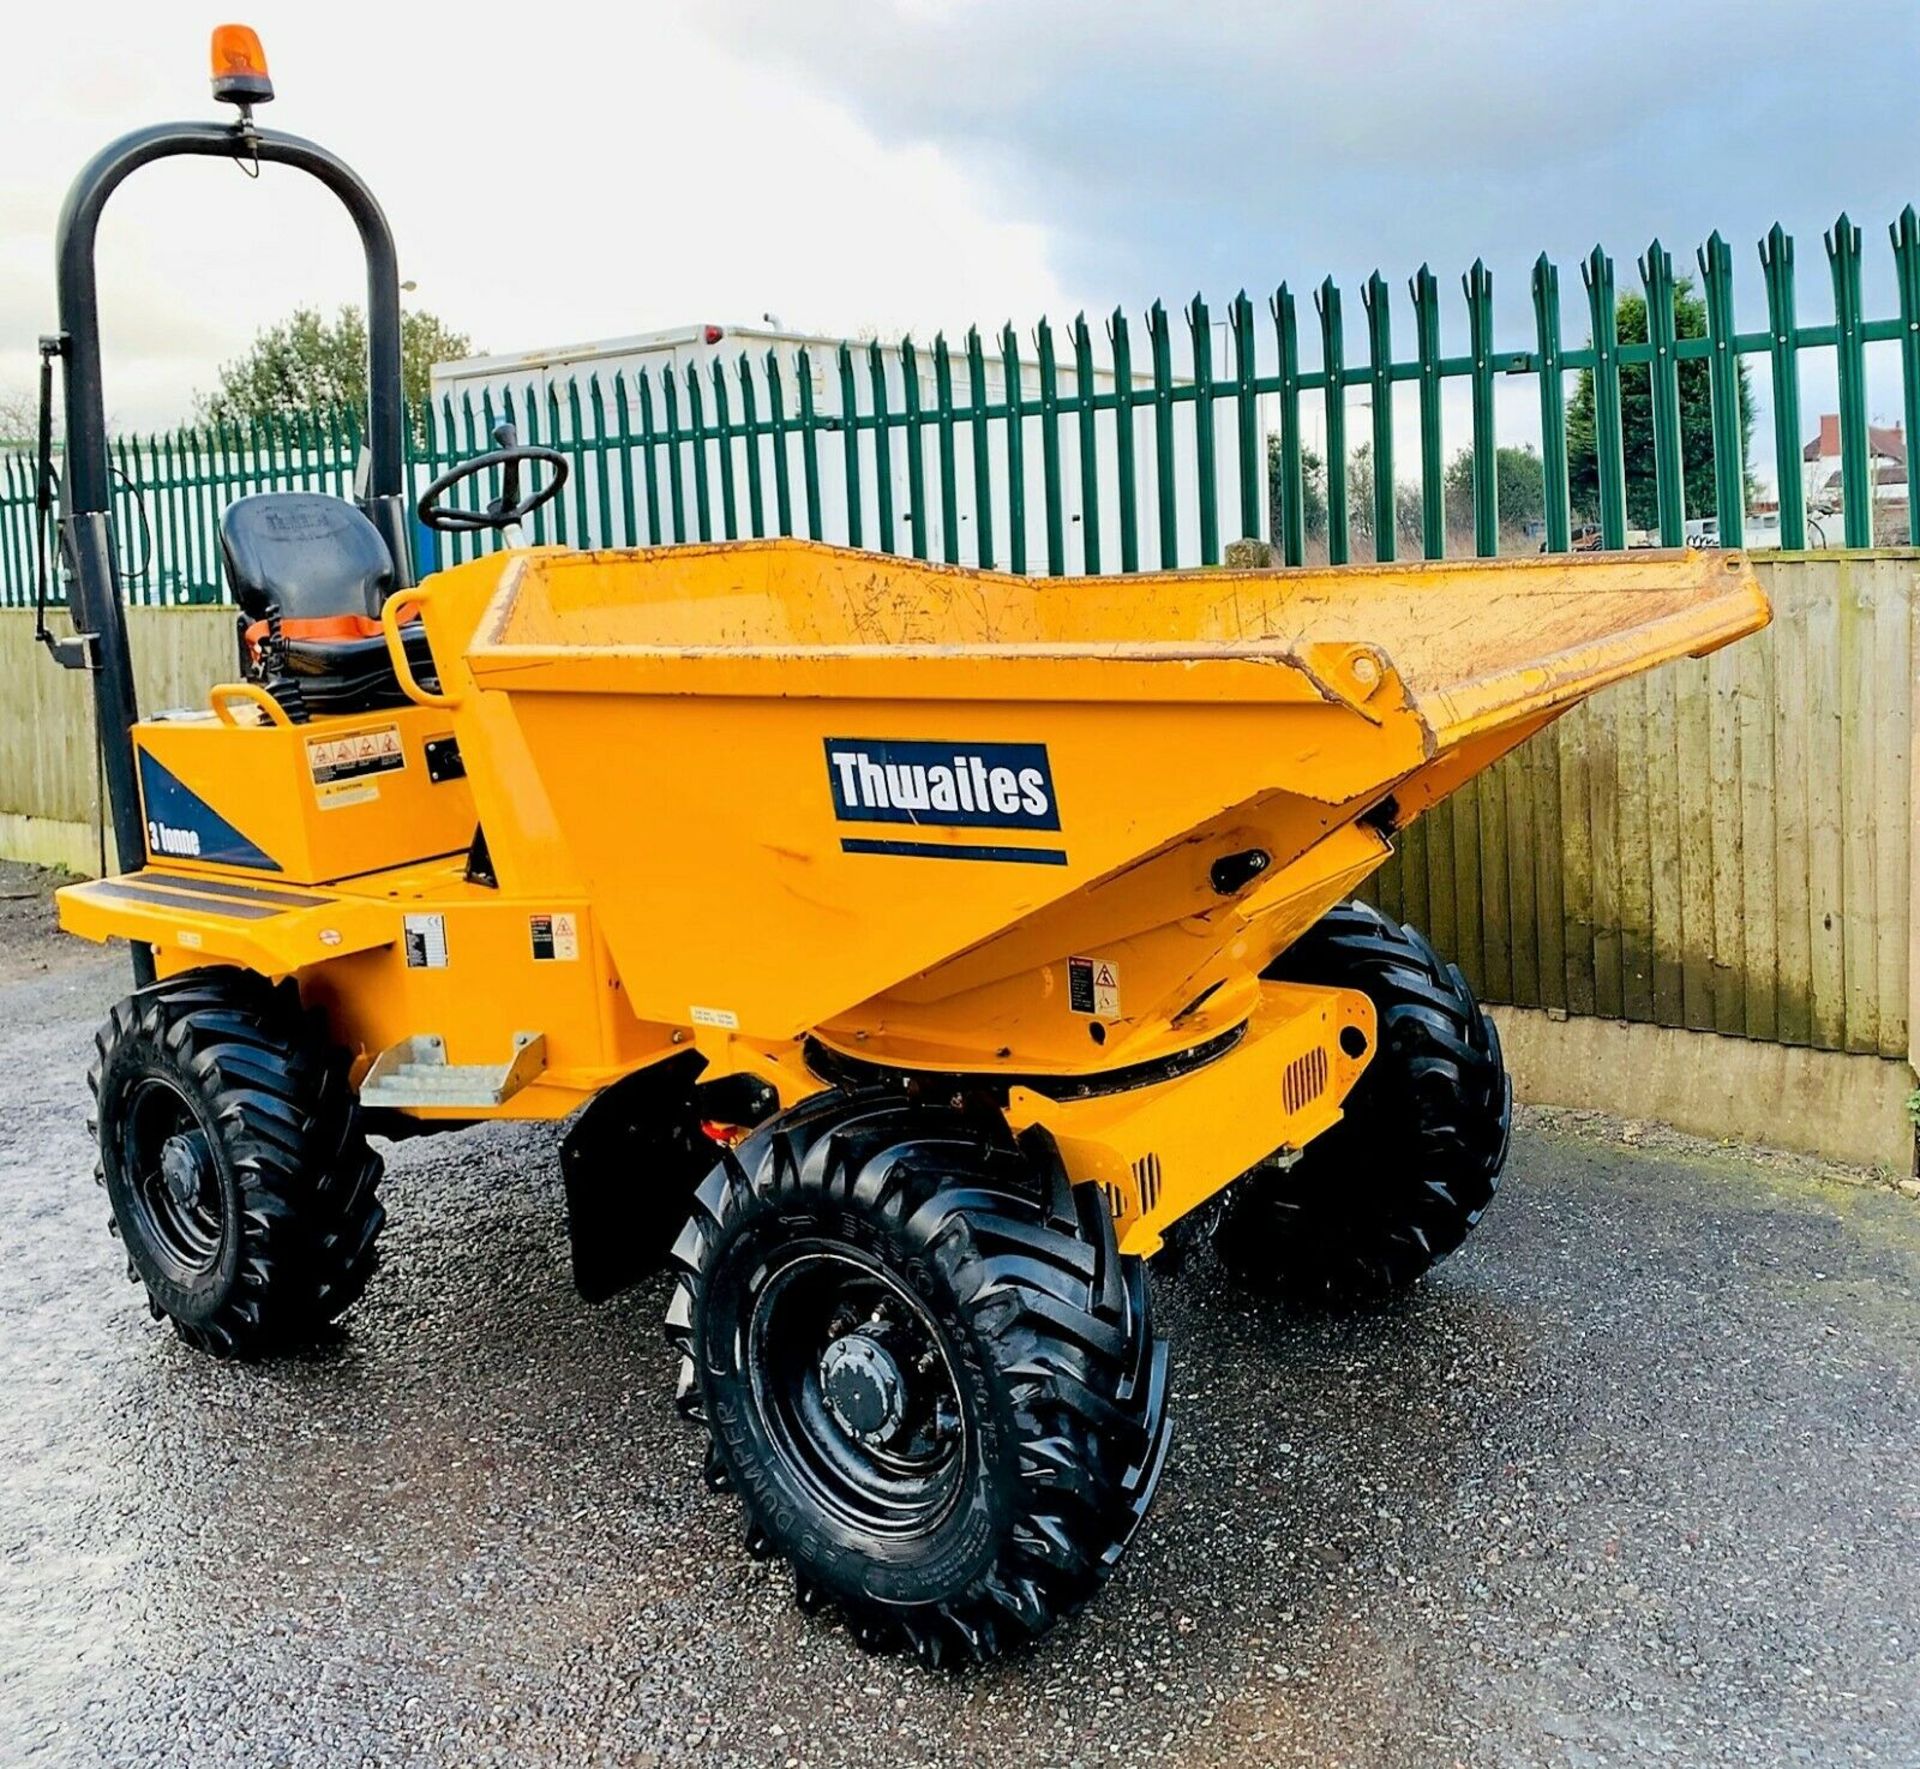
(817, 790)
(771, 866)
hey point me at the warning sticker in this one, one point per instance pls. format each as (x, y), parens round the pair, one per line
(724, 1018)
(342, 793)
(426, 942)
(356, 755)
(1093, 987)
(554, 936)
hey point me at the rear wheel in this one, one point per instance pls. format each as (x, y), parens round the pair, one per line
(1410, 1169)
(925, 1369)
(236, 1174)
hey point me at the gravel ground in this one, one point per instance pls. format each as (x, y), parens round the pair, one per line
(1635, 1478)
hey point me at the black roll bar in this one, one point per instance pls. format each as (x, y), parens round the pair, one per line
(86, 523)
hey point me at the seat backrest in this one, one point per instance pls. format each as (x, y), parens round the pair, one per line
(304, 556)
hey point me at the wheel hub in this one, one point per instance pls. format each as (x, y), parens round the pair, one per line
(864, 1389)
(186, 1168)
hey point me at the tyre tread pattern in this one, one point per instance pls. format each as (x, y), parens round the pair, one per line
(1065, 1319)
(279, 1095)
(1411, 1168)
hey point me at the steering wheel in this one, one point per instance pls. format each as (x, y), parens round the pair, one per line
(509, 507)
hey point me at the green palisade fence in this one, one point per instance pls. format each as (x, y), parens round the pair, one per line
(1123, 447)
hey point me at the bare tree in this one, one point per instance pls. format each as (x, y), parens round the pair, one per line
(20, 417)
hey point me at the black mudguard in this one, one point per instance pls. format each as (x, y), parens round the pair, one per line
(632, 1159)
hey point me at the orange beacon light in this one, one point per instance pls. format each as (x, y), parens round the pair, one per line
(240, 66)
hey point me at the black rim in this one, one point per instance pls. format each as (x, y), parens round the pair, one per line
(172, 1179)
(856, 1393)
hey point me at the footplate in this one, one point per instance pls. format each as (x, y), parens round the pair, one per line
(415, 1073)
(271, 928)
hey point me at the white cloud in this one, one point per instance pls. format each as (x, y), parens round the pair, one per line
(551, 175)
(576, 170)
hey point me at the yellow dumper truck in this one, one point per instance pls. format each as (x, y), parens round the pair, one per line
(907, 948)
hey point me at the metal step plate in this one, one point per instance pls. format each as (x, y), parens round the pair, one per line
(415, 1073)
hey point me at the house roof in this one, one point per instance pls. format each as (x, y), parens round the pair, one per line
(1885, 442)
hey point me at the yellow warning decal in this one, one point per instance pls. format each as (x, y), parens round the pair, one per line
(355, 755)
(1093, 987)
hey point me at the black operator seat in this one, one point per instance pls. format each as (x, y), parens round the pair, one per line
(310, 573)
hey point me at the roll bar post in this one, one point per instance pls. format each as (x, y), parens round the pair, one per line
(86, 522)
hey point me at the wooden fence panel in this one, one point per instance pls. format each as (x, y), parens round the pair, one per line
(47, 765)
(1725, 844)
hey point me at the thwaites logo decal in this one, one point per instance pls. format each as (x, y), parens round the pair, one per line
(1000, 786)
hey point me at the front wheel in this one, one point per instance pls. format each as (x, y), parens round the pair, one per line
(925, 1369)
(1410, 1169)
(238, 1180)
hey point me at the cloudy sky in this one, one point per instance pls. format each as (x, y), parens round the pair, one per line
(572, 171)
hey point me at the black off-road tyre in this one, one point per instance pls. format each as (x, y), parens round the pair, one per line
(924, 1368)
(1403, 1178)
(236, 1174)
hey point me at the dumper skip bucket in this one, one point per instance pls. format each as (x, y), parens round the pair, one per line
(800, 781)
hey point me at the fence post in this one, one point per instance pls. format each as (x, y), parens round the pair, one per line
(1610, 460)
(779, 432)
(723, 435)
(1160, 339)
(1333, 355)
(183, 521)
(949, 476)
(916, 448)
(1425, 291)
(553, 439)
(601, 482)
(1247, 417)
(649, 457)
(179, 530)
(1669, 459)
(1206, 468)
(1856, 456)
(1478, 284)
(1906, 259)
(982, 454)
(1379, 305)
(1553, 406)
(1050, 448)
(676, 484)
(1123, 441)
(1729, 458)
(750, 427)
(809, 440)
(584, 536)
(531, 432)
(467, 438)
(1083, 382)
(850, 444)
(1783, 338)
(629, 524)
(1016, 451)
(136, 578)
(193, 479)
(882, 440)
(1293, 479)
